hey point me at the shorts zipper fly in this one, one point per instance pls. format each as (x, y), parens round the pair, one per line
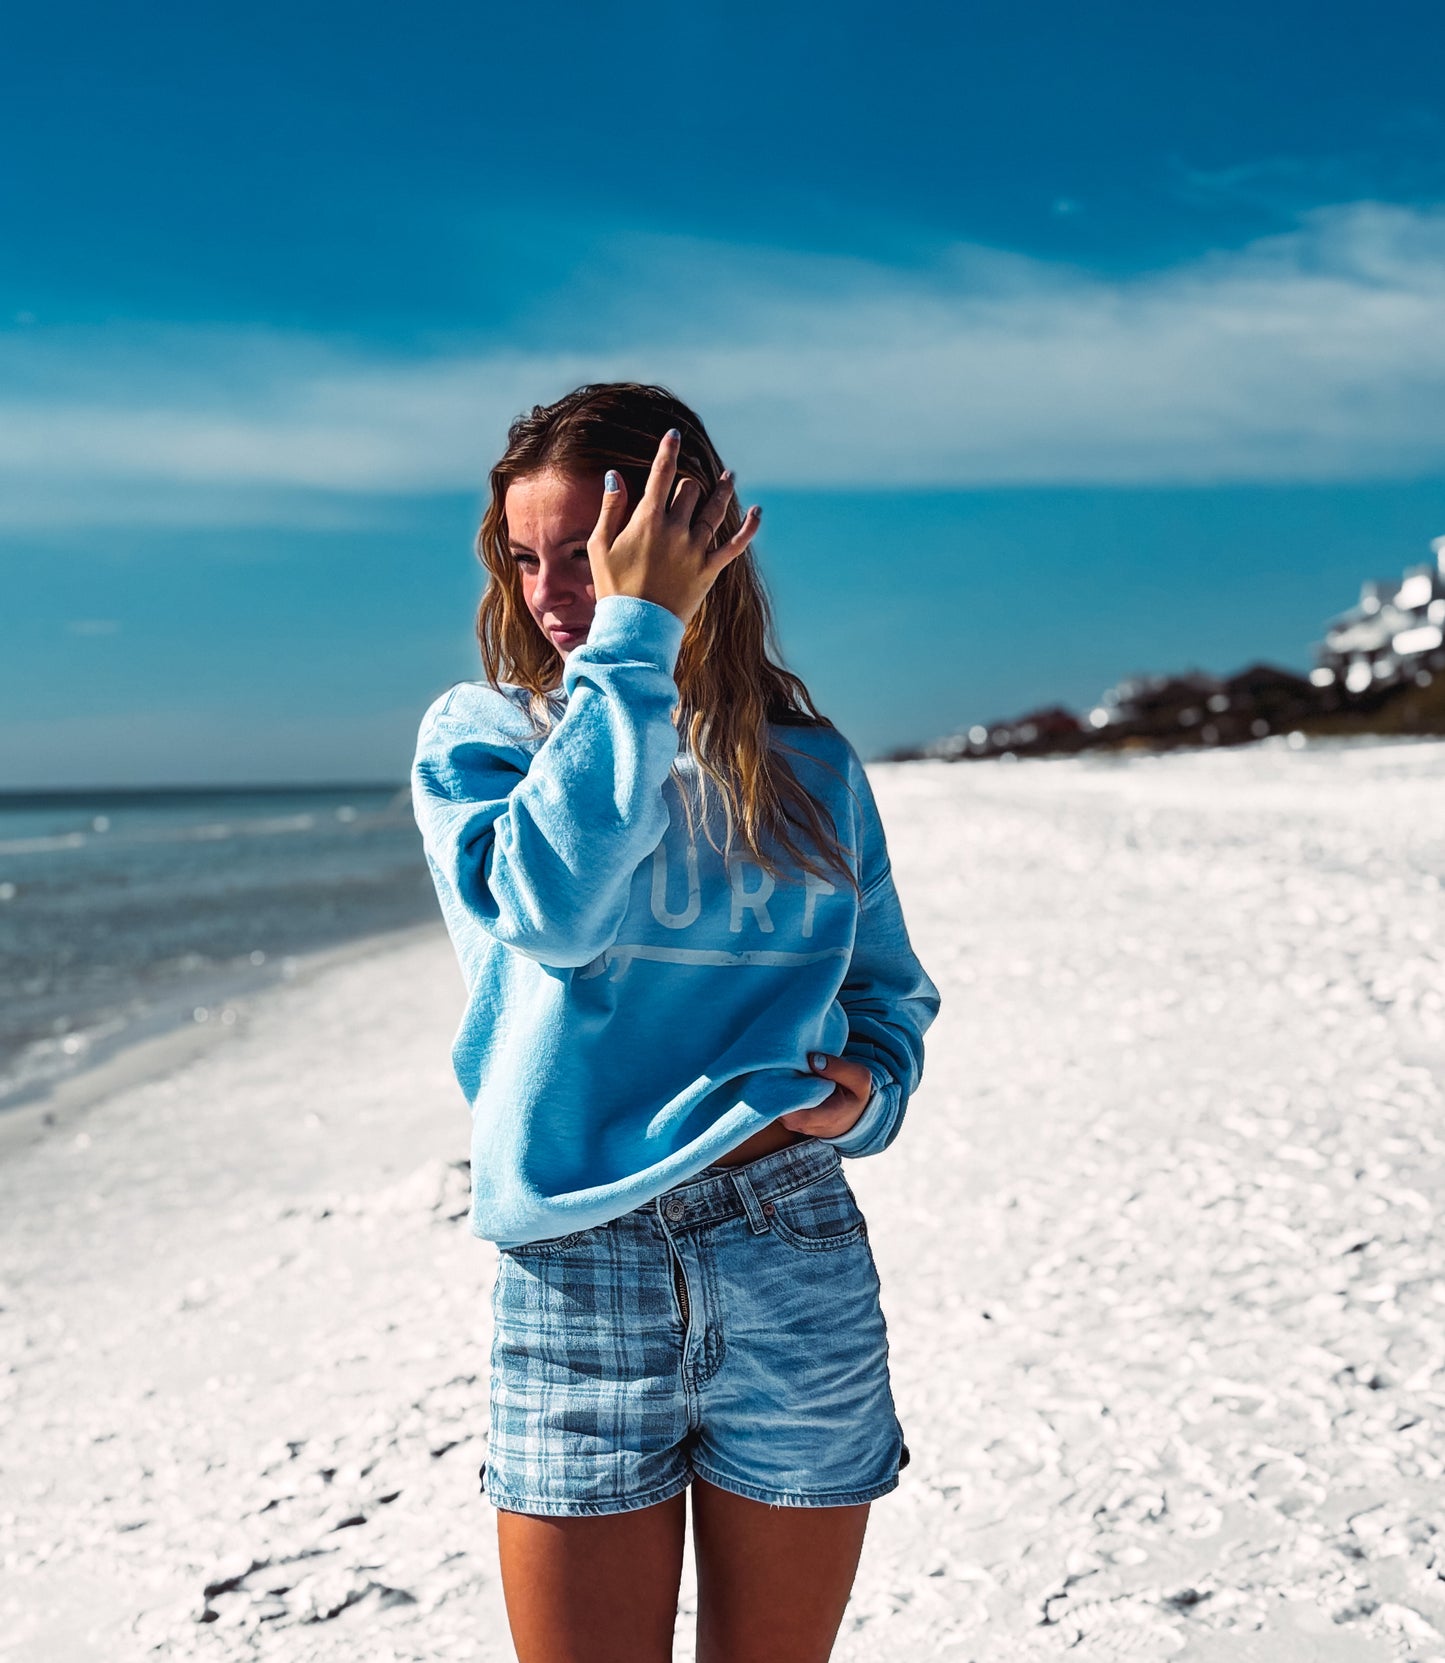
(679, 1282)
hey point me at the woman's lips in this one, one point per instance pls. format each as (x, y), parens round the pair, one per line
(567, 631)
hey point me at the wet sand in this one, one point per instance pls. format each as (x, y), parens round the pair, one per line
(1158, 1246)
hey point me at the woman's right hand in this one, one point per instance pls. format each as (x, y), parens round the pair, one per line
(662, 553)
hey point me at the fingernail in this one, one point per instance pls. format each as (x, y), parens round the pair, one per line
(613, 482)
(673, 433)
(816, 1059)
(757, 513)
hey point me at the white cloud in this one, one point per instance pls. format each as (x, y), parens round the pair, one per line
(1313, 355)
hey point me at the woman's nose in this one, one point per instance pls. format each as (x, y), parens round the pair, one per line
(553, 582)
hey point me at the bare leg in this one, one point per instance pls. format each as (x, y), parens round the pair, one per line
(597, 1590)
(772, 1582)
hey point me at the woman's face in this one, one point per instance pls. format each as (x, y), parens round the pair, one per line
(550, 516)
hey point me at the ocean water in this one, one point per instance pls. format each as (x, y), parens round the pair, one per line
(123, 913)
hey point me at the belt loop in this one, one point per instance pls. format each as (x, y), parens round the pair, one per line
(757, 1220)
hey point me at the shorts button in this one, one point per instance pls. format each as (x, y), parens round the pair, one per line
(673, 1211)
(769, 1208)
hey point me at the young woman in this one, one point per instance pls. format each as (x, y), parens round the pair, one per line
(691, 991)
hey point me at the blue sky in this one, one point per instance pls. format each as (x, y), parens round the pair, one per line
(1059, 342)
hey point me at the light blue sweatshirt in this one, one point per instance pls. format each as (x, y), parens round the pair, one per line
(636, 1008)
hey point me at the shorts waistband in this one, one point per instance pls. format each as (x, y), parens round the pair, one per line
(720, 1192)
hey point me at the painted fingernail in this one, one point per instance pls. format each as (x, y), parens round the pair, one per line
(673, 433)
(816, 1059)
(613, 482)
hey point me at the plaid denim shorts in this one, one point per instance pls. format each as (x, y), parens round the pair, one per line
(731, 1329)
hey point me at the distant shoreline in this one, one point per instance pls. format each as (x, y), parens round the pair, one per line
(132, 912)
(140, 1053)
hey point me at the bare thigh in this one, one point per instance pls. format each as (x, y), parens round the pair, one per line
(599, 1590)
(772, 1582)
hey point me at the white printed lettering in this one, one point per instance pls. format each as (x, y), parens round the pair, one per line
(815, 886)
(755, 900)
(675, 920)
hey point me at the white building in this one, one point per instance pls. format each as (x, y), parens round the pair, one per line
(1395, 632)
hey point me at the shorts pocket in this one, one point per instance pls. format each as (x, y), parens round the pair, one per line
(819, 1218)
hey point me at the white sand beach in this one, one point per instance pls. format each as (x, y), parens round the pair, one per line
(1158, 1241)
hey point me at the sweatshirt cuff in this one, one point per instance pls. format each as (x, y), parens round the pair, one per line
(872, 1130)
(627, 628)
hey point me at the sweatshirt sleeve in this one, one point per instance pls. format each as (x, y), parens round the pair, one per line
(889, 997)
(541, 847)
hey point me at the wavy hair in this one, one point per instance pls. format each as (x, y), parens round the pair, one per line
(730, 689)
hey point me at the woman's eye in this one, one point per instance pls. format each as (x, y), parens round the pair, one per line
(581, 554)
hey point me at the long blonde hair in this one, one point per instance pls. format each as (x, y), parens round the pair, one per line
(729, 687)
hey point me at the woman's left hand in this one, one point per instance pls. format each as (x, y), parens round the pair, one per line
(838, 1112)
